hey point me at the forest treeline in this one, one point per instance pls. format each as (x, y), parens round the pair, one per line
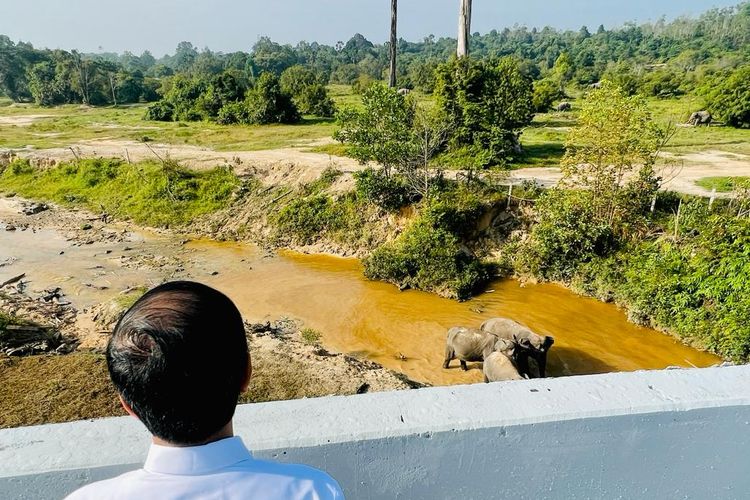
(661, 59)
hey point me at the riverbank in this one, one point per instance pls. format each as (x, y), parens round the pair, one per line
(403, 331)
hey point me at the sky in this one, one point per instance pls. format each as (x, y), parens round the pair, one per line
(230, 25)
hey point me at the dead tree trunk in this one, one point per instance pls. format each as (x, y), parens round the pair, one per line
(394, 43)
(464, 28)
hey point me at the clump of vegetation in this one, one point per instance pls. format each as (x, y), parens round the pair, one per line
(374, 186)
(311, 336)
(382, 130)
(151, 193)
(308, 91)
(307, 220)
(728, 97)
(431, 253)
(227, 98)
(488, 103)
(682, 268)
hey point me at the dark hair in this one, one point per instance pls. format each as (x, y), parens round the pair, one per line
(179, 358)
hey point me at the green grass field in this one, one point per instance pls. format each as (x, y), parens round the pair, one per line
(723, 184)
(543, 140)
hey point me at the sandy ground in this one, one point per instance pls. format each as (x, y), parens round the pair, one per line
(21, 120)
(294, 165)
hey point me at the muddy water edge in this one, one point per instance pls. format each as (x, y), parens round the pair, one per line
(404, 331)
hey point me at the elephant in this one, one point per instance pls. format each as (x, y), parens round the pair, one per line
(528, 343)
(700, 118)
(499, 366)
(468, 344)
(564, 106)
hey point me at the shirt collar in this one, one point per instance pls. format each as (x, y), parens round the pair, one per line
(195, 460)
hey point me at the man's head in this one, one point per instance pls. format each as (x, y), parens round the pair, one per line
(179, 360)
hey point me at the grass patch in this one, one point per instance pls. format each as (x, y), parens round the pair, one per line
(311, 336)
(332, 149)
(45, 389)
(150, 193)
(723, 184)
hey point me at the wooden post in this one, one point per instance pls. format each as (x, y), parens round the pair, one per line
(464, 28)
(677, 220)
(510, 195)
(711, 200)
(394, 43)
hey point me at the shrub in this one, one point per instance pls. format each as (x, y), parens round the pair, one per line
(160, 111)
(546, 92)
(314, 100)
(566, 234)
(266, 103)
(389, 193)
(311, 336)
(427, 258)
(728, 97)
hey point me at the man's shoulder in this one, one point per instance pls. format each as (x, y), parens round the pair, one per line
(299, 473)
(105, 488)
(249, 479)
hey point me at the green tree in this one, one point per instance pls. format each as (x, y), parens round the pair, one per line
(546, 92)
(612, 152)
(308, 91)
(728, 97)
(266, 103)
(382, 130)
(607, 186)
(487, 104)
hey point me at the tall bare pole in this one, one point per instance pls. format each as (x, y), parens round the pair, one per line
(464, 28)
(394, 43)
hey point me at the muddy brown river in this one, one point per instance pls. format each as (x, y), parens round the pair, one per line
(404, 331)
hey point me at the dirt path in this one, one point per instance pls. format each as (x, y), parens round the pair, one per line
(295, 165)
(679, 175)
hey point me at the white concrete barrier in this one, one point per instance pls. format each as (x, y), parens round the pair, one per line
(655, 435)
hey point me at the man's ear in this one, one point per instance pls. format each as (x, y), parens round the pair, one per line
(127, 408)
(246, 380)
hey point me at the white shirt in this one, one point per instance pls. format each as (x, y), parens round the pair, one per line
(223, 469)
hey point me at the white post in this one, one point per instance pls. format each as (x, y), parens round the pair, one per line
(510, 195)
(653, 203)
(713, 197)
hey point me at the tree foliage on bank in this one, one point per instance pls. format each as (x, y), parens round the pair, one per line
(487, 104)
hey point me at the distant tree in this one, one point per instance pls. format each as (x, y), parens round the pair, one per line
(184, 56)
(546, 92)
(382, 130)
(728, 97)
(563, 70)
(271, 57)
(295, 78)
(487, 104)
(307, 90)
(266, 103)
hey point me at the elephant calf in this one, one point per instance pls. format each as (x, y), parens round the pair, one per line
(498, 366)
(468, 344)
(528, 343)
